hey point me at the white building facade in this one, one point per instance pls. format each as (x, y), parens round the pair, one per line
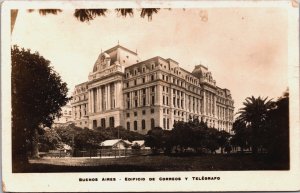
(140, 95)
(66, 117)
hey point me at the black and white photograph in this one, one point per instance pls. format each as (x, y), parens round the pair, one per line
(127, 96)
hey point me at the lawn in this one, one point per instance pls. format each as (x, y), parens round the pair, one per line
(215, 162)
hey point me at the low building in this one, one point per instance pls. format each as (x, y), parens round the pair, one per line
(115, 144)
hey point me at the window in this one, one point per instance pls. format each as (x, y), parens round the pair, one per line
(136, 103)
(144, 112)
(144, 80)
(144, 101)
(163, 100)
(128, 126)
(135, 125)
(152, 77)
(153, 88)
(134, 82)
(134, 72)
(164, 110)
(111, 122)
(152, 123)
(127, 114)
(163, 88)
(127, 84)
(144, 91)
(152, 100)
(103, 123)
(143, 70)
(168, 124)
(128, 104)
(143, 124)
(135, 113)
(163, 77)
(152, 110)
(164, 122)
(135, 93)
(167, 100)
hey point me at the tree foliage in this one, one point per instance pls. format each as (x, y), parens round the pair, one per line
(49, 140)
(254, 115)
(264, 124)
(87, 15)
(37, 96)
(186, 135)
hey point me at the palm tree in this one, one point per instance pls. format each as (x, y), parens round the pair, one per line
(254, 115)
(149, 12)
(86, 15)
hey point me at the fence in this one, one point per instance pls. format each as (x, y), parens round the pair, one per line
(98, 153)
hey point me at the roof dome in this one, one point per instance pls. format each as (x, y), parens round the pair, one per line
(199, 71)
(100, 59)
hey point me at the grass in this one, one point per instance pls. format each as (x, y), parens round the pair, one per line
(217, 162)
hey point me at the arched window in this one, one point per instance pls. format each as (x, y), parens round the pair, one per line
(152, 123)
(103, 123)
(111, 122)
(135, 125)
(128, 126)
(143, 124)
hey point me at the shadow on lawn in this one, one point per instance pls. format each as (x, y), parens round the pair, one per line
(175, 162)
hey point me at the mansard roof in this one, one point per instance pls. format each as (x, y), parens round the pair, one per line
(119, 46)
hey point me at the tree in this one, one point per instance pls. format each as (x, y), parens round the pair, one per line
(254, 115)
(278, 129)
(49, 140)
(88, 139)
(222, 138)
(154, 140)
(241, 135)
(37, 96)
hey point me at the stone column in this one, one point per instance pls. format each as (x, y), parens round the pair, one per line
(115, 93)
(89, 101)
(106, 97)
(130, 99)
(92, 99)
(157, 95)
(148, 90)
(97, 100)
(100, 99)
(171, 98)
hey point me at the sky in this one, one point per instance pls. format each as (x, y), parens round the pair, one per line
(245, 48)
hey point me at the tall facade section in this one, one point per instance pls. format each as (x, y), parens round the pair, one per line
(140, 95)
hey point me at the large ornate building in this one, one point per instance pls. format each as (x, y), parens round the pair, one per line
(140, 95)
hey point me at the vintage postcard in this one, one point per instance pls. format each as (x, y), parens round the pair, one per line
(150, 96)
